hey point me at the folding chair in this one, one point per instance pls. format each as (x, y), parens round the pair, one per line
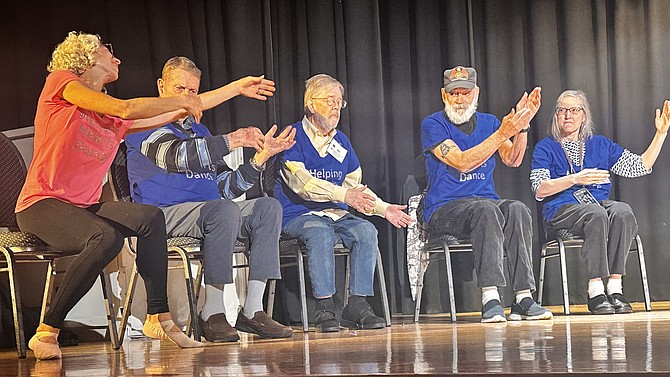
(564, 239)
(181, 249)
(295, 250)
(20, 247)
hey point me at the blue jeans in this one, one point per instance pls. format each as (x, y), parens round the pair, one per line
(320, 234)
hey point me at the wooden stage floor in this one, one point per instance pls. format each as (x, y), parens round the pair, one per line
(578, 344)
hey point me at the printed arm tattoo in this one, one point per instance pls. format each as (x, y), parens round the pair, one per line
(445, 148)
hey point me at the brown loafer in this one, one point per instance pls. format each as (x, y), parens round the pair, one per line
(262, 325)
(217, 329)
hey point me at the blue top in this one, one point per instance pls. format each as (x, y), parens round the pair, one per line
(175, 164)
(446, 183)
(327, 168)
(599, 152)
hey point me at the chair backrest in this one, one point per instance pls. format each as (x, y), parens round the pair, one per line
(12, 175)
(118, 175)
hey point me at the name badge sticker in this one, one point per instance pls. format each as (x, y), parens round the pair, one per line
(336, 150)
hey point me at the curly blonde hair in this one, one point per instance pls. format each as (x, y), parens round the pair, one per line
(75, 53)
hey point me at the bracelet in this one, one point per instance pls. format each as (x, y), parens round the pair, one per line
(255, 165)
(525, 129)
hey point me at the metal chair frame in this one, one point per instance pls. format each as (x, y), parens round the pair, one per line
(294, 249)
(20, 247)
(443, 244)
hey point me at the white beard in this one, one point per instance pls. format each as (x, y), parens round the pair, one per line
(461, 115)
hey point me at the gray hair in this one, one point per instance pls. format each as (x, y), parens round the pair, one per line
(317, 84)
(586, 130)
(180, 62)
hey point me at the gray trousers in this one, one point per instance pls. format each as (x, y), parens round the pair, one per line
(497, 228)
(219, 223)
(608, 232)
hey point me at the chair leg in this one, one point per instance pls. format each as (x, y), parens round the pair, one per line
(128, 302)
(16, 304)
(109, 308)
(643, 273)
(543, 263)
(197, 286)
(48, 288)
(270, 303)
(303, 293)
(419, 289)
(192, 305)
(382, 288)
(450, 281)
(347, 278)
(564, 276)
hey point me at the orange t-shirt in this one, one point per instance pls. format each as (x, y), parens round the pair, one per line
(73, 148)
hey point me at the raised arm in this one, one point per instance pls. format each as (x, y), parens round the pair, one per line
(465, 161)
(662, 123)
(512, 152)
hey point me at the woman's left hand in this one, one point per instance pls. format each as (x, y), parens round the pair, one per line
(259, 87)
(663, 119)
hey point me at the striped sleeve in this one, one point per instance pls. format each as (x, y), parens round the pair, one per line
(233, 183)
(170, 152)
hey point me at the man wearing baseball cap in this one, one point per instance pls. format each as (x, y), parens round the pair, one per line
(459, 144)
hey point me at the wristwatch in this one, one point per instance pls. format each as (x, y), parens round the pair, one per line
(525, 129)
(255, 165)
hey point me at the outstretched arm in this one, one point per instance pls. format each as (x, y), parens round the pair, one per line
(258, 87)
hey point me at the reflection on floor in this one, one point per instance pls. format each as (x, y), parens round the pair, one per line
(631, 344)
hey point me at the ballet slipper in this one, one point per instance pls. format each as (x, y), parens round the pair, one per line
(164, 330)
(44, 350)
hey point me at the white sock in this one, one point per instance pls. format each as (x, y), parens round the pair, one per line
(523, 294)
(614, 286)
(490, 293)
(213, 301)
(254, 301)
(596, 288)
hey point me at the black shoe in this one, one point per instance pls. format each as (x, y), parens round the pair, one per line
(600, 305)
(621, 305)
(262, 325)
(359, 315)
(217, 329)
(324, 316)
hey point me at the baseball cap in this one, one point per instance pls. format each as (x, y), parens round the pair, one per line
(460, 77)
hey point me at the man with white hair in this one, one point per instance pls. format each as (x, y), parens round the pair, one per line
(459, 144)
(320, 177)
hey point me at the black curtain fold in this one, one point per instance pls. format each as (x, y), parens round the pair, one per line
(390, 55)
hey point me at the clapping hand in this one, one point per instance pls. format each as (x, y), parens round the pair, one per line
(514, 122)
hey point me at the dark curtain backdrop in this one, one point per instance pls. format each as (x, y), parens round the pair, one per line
(390, 56)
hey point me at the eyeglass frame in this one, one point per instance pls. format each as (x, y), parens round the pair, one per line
(571, 110)
(330, 101)
(108, 46)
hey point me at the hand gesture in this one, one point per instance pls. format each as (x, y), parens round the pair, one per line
(192, 105)
(514, 122)
(590, 177)
(663, 119)
(359, 199)
(273, 145)
(250, 137)
(259, 87)
(395, 215)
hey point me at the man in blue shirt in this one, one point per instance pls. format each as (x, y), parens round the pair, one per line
(179, 168)
(459, 144)
(320, 177)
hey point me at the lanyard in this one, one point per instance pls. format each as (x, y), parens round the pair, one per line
(581, 156)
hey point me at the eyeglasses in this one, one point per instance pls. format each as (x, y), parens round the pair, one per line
(455, 94)
(108, 46)
(331, 101)
(571, 110)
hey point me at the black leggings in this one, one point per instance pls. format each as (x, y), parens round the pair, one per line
(96, 235)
